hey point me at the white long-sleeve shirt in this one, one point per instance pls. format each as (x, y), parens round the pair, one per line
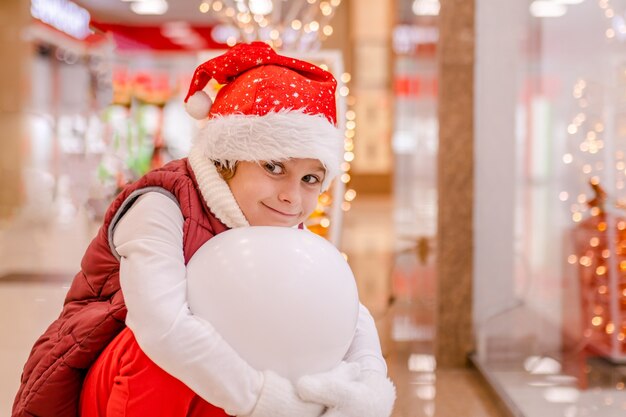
(149, 239)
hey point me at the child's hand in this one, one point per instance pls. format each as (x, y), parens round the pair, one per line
(279, 399)
(349, 392)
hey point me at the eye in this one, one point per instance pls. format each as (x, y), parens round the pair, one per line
(311, 179)
(273, 168)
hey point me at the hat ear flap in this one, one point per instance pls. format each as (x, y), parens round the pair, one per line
(199, 105)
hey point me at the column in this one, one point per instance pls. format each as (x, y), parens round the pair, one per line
(455, 172)
(14, 78)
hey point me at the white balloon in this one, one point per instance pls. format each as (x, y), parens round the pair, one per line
(285, 299)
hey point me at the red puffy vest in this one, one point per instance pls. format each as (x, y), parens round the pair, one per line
(94, 310)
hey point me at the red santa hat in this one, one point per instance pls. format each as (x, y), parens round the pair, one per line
(270, 108)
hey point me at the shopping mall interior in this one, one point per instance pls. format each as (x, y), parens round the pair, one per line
(481, 200)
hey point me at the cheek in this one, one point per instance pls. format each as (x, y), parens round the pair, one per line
(243, 193)
(249, 195)
(309, 201)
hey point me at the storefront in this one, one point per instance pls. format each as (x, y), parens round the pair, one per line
(549, 154)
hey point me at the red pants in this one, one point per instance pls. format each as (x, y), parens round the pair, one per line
(123, 382)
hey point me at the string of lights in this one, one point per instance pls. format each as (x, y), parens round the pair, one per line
(600, 220)
(289, 25)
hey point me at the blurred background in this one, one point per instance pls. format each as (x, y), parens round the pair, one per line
(482, 204)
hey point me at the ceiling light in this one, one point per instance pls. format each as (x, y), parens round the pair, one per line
(568, 1)
(64, 15)
(426, 7)
(261, 7)
(149, 7)
(544, 8)
(278, 22)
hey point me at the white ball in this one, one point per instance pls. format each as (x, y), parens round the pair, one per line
(199, 105)
(285, 299)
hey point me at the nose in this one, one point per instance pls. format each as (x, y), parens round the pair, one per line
(289, 192)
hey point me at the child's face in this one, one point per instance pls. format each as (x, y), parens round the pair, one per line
(277, 193)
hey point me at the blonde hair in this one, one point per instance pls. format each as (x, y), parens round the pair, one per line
(226, 170)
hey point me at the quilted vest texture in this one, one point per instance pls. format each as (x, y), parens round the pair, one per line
(94, 311)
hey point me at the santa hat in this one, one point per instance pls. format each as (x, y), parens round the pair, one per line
(270, 108)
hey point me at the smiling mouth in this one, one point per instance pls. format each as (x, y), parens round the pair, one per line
(280, 212)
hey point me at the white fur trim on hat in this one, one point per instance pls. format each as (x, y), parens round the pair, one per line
(215, 190)
(276, 136)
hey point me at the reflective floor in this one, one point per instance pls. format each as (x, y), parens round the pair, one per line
(571, 381)
(395, 280)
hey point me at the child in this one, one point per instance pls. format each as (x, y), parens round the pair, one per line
(267, 150)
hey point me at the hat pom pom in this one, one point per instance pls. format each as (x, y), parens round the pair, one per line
(199, 105)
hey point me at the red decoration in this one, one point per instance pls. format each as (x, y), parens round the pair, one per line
(600, 244)
(133, 38)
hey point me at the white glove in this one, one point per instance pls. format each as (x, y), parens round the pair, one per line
(349, 392)
(279, 399)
